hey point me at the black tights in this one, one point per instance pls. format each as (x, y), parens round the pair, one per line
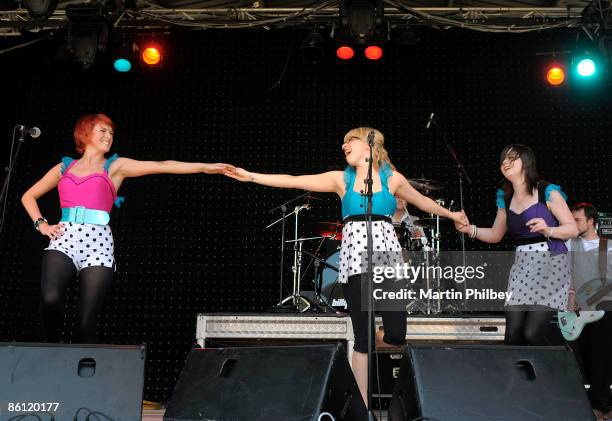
(58, 272)
(394, 322)
(527, 325)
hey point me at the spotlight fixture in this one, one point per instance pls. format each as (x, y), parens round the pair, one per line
(373, 52)
(151, 54)
(314, 48)
(555, 74)
(363, 19)
(40, 9)
(123, 55)
(88, 34)
(345, 52)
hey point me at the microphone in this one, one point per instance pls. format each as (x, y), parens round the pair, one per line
(431, 119)
(371, 138)
(33, 131)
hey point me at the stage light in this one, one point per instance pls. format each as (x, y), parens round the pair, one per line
(373, 52)
(585, 67)
(88, 34)
(122, 65)
(314, 48)
(122, 56)
(555, 75)
(362, 19)
(345, 52)
(151, 55)
(40, 9)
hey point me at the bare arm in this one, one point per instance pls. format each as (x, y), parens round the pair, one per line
(496, 233)
(126, 167)
(30, 197)
(328, 182)
(46, 183)
(567, 226)
(405, 191)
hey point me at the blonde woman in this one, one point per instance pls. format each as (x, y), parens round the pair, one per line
(349, 185)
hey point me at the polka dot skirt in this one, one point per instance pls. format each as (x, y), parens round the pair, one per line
(538, 278)
(353, 250)
(86, 244)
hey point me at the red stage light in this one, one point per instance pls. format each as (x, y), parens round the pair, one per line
(345, 52)
(151, 55)
(555, 75)
(373, 52)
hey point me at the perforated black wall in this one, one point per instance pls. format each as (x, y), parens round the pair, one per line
(190, 244)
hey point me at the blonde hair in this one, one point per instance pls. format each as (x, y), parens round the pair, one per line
(381, 156)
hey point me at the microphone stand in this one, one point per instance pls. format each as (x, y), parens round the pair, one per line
(9, 170)
(283, 208)
(461, 173)
(369, 253)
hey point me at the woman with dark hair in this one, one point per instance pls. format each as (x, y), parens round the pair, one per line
(81, 243)
(538, 219)
(349, 185)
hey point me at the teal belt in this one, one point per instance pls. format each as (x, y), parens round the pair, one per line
(81, 215)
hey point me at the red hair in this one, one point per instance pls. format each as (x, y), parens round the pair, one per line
(85, 125)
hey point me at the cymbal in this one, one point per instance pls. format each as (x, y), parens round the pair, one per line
(328, 229)
(428, 222)
(423, 184)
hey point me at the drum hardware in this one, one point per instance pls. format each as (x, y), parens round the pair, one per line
(299, 303)
(331, 230)
(328, 291)
(426, 186)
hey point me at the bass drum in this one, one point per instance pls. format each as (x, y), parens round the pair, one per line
(330, 289)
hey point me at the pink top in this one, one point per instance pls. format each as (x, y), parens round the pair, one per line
(94, 191)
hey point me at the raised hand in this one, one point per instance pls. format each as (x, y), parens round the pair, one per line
(218, 168)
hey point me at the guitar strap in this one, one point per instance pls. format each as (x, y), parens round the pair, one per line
(603, 258)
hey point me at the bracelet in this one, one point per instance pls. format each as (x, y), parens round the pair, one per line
(474, 233)
(38, 222)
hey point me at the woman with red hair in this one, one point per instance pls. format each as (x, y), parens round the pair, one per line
(81, 243)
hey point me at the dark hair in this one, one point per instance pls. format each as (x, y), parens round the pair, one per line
(532, 177)
(589, 210)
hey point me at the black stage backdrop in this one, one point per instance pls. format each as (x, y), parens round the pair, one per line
(196, 243)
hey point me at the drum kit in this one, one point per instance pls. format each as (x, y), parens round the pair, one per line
(419, 237)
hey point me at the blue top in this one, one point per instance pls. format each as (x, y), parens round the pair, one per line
(353, 203)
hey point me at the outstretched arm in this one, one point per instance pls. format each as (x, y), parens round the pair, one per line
(126, 167)
(489, 235)
(328, 182)
(405, 191)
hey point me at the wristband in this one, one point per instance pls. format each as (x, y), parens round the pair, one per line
(38, 222)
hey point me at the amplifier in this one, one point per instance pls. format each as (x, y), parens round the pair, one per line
(604, 222)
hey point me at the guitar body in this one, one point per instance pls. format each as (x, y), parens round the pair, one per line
(571, 323)
(591, 292)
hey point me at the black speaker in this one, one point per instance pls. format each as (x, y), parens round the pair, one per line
(495, 382)
(295, 383)
(70, 382)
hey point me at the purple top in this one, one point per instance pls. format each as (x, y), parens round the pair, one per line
(516, 222)
(519, 231)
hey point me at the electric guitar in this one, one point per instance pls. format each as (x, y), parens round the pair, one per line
(571, 323)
